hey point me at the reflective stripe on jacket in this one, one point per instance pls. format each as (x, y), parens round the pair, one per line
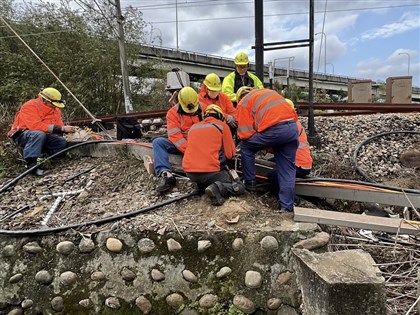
(221, 100)
(261, 109)
(178, 125)
(233, 81)
(35, 115)
(210, 144)
(303, 153)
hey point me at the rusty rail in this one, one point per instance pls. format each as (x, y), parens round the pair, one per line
(344, 109)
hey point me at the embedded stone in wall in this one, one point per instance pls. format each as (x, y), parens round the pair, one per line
(86, 245)
(127, 274)
(319, 240)
(284, 278)
(85, 303)
(244, 304)
(157, 275)
(175, 300)
(16, 311)
(208, 300)
(203, 246)
(65, 247)
(273, 304)
(146, 245)
(57, 304)
(43, 277)
(223, 272)
(253, 279)
(8, 251)
(238, 244)
(189, 276)
(68, 278)
(97, 276)
(16, 278)
(269, 243)
(32, 248)
(27, 303)
(114, 245)
(144, 304)
(173, 246)
(113, 302)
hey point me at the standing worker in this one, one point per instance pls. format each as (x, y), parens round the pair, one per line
(303, 158)
(211, 94)
(38, 127)
(240, 77)
(206, 164)
(266, 120)
(179, 119)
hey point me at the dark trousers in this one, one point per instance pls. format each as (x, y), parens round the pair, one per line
(283, 139)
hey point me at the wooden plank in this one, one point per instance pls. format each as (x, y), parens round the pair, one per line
(346, 193)
(358, 221)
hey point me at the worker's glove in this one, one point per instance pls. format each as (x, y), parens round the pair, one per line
(68, 129)
(230, 120)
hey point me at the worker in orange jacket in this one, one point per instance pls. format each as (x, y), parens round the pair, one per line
(266, 120)
(303, 158)
(206, 164)
(38, 127)
(180, 118)
(211, 94)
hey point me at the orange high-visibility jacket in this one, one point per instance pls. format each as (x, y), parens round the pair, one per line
(261, 109)
(209, 145)
(221, 100)
(178, 125)
(35, 115)
(303, 153)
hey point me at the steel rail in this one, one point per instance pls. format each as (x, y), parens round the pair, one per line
(347, 109)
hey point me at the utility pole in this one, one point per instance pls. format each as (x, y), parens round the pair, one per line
(259, 39)
(123, 58)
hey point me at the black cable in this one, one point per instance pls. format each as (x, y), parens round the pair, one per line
(356, 152)
(19, 177)
(96, 222)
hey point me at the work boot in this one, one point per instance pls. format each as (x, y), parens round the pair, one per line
(251, 185)
(167, 181)
(31, 162)
(213, 191)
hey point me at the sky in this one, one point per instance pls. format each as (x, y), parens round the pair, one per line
(365, 39)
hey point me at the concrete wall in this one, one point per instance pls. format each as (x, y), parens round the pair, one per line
(143, 272)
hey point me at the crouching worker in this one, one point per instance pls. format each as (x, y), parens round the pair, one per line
(179, 119)
(38, 127)
(210, 145)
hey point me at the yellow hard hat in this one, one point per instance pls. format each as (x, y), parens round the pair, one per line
(52, 95)
(212, 82)
(241, 59)
(290, 102)
(242, 91)
(215, 109)
(188, 98)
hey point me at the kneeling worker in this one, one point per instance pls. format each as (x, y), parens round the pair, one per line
(210, 145)
(38, 127)
(180, 118)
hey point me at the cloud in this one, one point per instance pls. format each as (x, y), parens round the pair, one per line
(407, 22)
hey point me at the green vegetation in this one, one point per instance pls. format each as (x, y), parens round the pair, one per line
(80, 46)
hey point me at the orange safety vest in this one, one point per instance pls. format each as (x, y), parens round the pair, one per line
(303, 153)
(261, 109)
(221, 100)
(210, 144)
(35, 115)
(178, 125)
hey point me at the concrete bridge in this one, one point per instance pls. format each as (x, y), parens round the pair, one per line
(199, 65)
